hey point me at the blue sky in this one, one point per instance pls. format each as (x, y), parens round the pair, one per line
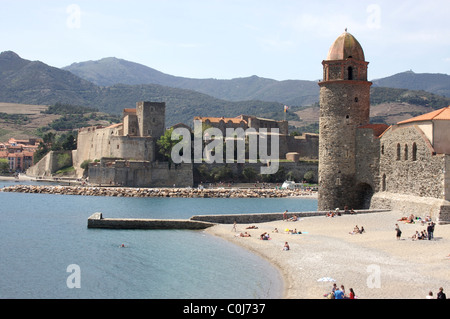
(224, 39)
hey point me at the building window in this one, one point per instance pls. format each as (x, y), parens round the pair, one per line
(382, 149)
(383, 186)
(350, 73)
(406, 152)
(398, 152)
(414, 152)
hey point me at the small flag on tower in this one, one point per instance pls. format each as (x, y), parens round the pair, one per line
(286, 108)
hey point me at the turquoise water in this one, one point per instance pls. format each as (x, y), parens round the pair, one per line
(41, 235)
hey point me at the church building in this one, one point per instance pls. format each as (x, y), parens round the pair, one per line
(364, 165)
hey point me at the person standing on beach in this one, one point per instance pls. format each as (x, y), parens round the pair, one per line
(430, 230)
(285, 215)
(441, 294)
(399, 232)
(234, 226)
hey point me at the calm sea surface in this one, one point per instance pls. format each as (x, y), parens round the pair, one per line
(42, 235)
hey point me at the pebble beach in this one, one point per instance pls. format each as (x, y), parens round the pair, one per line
(375, 264)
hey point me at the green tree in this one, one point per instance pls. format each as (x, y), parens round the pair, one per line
(69, 143)
(165, 144)
(41, 151)
(249, 174)
(309, 176)
(4, 166)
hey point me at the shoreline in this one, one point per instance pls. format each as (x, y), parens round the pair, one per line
(375, 264)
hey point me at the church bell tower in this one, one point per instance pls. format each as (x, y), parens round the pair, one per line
(344, 106)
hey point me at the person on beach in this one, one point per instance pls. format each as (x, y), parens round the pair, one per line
(338, 294)
(352, 294)
(285, 215)
(286, 246)
(355, 230)
(398, 231)
(441, 294)
(430, 230)
(234, 226)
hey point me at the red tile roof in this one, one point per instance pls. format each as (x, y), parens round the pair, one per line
(441, 114)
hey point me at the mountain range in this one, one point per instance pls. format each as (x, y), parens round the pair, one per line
(112, 84)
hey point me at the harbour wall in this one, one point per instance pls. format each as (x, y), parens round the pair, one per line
(269, 217)
(198, 222)
(97, 221)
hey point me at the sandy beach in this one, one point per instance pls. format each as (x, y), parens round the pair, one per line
(375, 264)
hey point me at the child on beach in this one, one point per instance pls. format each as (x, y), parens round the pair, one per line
(286, 246)
(398, 231)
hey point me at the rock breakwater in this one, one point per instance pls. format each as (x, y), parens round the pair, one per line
(157, 192)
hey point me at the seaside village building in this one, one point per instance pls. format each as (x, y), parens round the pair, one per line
(19, 153)
(404, 167)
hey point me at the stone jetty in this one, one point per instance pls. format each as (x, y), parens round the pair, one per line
(158, 192)
(97, 221)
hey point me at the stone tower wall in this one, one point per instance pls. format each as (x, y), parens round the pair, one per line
(344, 105)
(151, 118)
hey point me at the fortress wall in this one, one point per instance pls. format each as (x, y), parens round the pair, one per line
(140, 174)
(298, 169)
(51, 163)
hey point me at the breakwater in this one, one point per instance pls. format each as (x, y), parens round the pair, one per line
(158, 192)
(96, 220)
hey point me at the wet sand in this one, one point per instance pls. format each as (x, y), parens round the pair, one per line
(375, 264)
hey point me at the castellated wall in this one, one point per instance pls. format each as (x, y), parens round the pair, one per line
(95, 143)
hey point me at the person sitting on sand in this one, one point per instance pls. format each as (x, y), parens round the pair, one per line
(264, 236)
(275, 230)
(355, 230)
(293, 218)
(286, 246)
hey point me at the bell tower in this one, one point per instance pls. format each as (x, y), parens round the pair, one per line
(344, 106)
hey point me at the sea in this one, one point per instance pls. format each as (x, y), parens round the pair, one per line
(47, 251)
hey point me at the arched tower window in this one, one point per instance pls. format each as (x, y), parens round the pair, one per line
(414, 152)
(398, 152)
(406, 152)
(350, 73)
(383, 186)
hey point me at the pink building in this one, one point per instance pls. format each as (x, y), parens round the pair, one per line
(19, 153)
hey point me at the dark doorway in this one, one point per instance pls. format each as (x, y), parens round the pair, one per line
(364, 193)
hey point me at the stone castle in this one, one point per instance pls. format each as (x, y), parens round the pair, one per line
(362, 165)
